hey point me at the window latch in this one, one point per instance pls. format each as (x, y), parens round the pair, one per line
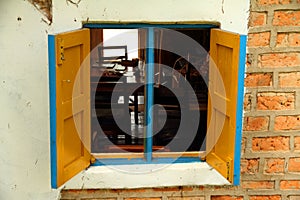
(229, 168)
(61, 54)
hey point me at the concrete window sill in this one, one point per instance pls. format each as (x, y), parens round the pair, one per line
(143, 176)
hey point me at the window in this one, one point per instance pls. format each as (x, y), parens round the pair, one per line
(73, 97)
(170, 91)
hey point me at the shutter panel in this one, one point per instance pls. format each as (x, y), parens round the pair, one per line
(69, 104)
(224, 120)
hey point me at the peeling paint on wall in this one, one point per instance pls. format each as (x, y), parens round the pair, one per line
(45, 7)
(74, 3)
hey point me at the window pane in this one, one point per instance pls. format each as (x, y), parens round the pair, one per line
(181, 89)
(114, 37)
(117, 88)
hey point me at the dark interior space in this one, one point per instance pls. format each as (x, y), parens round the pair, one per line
(192, 68)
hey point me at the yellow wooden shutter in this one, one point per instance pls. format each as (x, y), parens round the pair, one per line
(222, 103)
(72, 104)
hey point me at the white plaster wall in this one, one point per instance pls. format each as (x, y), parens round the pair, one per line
(24, 114)
(24, 126)
(232, 14)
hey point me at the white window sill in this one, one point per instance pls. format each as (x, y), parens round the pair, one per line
(143, 176)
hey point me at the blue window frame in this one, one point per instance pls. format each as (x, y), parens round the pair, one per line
(149, 91)
(150, 54)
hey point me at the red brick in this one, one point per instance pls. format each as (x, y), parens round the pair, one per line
(287, 123)
(286, 18)
(186, 198)
(275, 60)
(288, 39)
(187, 188)
(294, 39)
(294, 197)
(166, 189)
(274, 165)
(148, 198)
(291, 79)
(223, 188)
(258, 79)
(258, 39)
(257, 19)
(275, 101)
(297, 143)
(226, 197)
(282, 39)
(249, 166)
(244, 145)
(256, 123)
(265, 197)
(258, 184)
(138, 190)
(97, 198)
(294, 165)
(249, 59)
(290, 185)
(272, 2)
(278, 143)
(247, 102)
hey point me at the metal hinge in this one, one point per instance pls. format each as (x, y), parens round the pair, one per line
(61, 55)
(229, 167)
(92, 160)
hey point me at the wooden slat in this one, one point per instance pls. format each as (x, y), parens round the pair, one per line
(73, 122)
(223, 72)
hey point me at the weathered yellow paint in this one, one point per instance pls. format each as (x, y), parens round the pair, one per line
(224, 54)
(72, 103)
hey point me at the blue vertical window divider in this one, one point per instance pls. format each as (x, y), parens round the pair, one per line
(149, 93)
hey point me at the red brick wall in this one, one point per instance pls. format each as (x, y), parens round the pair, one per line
(270, 164)
(271, 158)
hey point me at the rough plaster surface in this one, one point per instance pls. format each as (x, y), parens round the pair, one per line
(24, 118)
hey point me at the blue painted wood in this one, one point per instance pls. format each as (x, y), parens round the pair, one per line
(149, 93)
(138, 161)
(52, 96)
(239, 112)
(145, 25)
